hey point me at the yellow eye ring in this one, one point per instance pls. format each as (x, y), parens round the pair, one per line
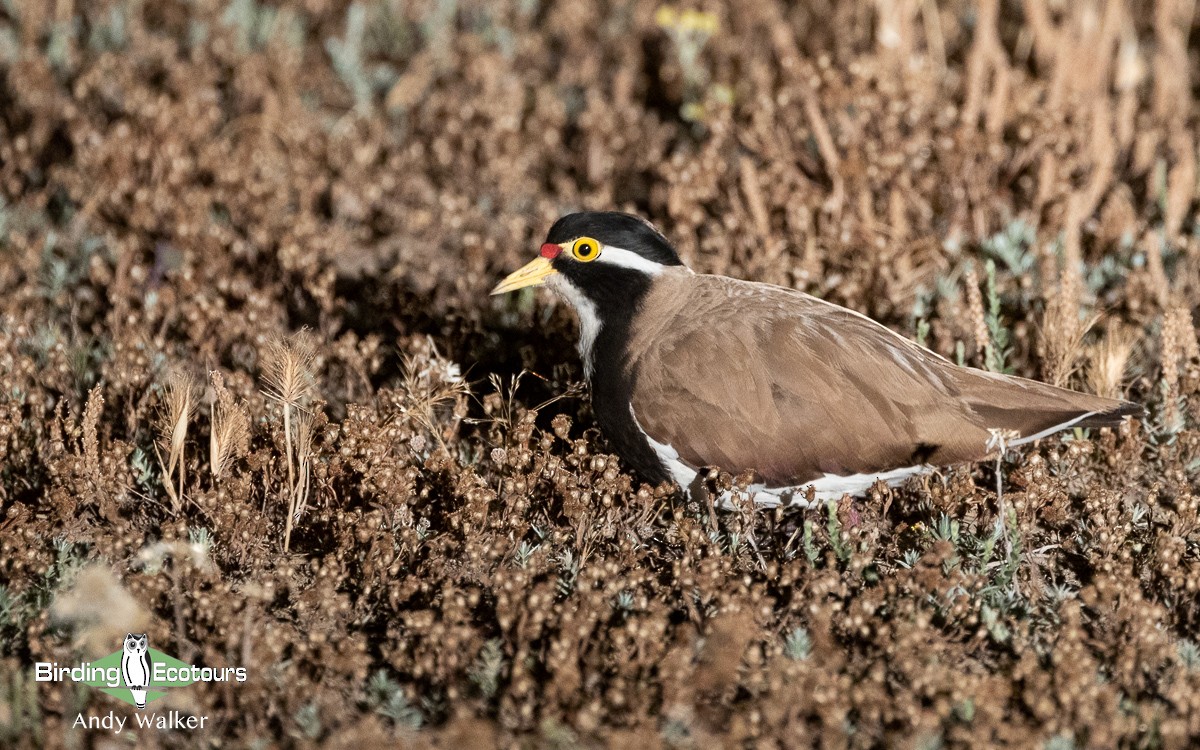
(585, 249)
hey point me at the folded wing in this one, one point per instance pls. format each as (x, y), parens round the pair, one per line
(796, 388)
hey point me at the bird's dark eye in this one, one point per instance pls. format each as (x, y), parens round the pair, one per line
(585, 249)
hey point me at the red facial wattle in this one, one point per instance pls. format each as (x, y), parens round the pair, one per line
(550, 250)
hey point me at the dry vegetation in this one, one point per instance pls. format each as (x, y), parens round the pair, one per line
(402, 519)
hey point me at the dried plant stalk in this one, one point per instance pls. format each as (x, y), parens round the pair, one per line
(975, 312)
(983, 61)
(290, 380)
(1152, 246)
(935, 40)
(1172, 23)
(304, 461)
(91, 423)
(1062, 335)
(1060, 342)
(178, 404)
(752, 189)
(827, 148)
(1169, 354)
(1187, 332)
(435, 393)
(1181, 181)
(894, 28)
(1131, 70)
(229, 436)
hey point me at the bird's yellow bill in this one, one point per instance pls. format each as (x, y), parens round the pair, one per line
(533, 273)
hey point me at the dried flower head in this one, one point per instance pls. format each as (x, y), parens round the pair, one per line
(1109, 360)
(175, 413)
(229, 437)
(287, 369)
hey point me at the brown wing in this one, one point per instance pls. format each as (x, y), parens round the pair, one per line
(742, 376)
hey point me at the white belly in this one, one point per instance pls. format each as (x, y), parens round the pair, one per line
(826, 488)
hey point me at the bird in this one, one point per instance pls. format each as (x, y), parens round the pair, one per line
(690, 372)
(135, 666)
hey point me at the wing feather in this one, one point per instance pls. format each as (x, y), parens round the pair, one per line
(741, 376)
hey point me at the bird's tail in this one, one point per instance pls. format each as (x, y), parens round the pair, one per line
(1036, 410)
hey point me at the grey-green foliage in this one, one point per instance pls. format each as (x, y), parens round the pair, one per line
(144, 471)
(349, 58)
(1057, 593)
(569, 566)
(524, 552)
(1189, 654)
(65, 264)
(798, 644)
(201, 538)
(1060, 742)
(58, 47)
(624, 602)
(834, 527)
(964, 710)
(810, 549)
(977, 554)
(995, 626)
(308, 718)
(68, 559)
(10, 52)
(18, 609)
(1105, 272)
(7, 608)
(256, 25)
(22, 714)
(1011, 247)
(494, 34)
(438, 25)
(923, 332)
(946, 529)
(387, 698)
(998, 338)
(1160, 185)
(487, 668)
(111, 33)
(930, 741)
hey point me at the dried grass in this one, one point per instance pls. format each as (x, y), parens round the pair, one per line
(229, 430)
(1178, 345)
(289, 378)
(185, 185)
(176, 407)
(1109, 362)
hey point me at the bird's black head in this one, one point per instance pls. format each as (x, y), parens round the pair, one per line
(603, 263)
(597, 257)
(612, 229)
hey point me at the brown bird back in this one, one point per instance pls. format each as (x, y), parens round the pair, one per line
(796, 388)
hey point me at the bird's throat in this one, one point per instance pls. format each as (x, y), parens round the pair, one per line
(605, 331)
(590, 321)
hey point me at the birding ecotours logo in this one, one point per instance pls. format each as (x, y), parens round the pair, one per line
(135, 667)
(136, 674)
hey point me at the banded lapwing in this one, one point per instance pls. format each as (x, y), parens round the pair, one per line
(692, 371)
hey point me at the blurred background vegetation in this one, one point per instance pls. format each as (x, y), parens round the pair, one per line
(255, 401)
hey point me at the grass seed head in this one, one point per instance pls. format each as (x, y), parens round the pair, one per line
(229, 437)
(1109, 361)
(287, 369)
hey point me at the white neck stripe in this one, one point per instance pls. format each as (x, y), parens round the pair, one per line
(589, 318)
(617, 256)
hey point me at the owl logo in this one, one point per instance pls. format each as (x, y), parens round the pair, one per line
(135, 666)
